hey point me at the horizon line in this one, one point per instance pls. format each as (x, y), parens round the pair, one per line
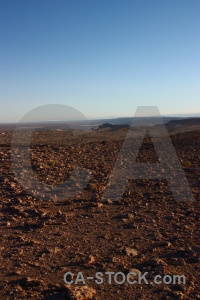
(189, 115)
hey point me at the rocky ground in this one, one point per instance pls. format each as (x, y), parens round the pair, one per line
(147, 232)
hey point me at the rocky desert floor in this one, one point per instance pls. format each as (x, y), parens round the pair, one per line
(148, 231)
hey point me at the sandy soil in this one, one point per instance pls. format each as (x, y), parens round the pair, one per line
(148, 231)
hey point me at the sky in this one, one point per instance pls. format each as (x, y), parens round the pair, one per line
(102, 57)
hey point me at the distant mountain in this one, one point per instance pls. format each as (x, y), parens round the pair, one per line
(90, 124)
(184, 122)
(128, 120)
(108, 126)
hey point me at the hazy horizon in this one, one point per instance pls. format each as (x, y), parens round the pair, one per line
(181, 116)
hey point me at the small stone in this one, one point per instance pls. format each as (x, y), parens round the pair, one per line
(125, 220)
(178, 295)
(109, 201)
(98, 204)
(115, 259)
(156, 262)
(80, 292)
(130, 216)
(91, 259)
(131, 251)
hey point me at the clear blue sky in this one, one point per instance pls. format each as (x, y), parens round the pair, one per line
(103, 57)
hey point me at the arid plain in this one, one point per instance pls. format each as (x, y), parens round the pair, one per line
(148, 231)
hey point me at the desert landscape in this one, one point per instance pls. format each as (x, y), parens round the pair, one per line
(99, 150)
(148, 231)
